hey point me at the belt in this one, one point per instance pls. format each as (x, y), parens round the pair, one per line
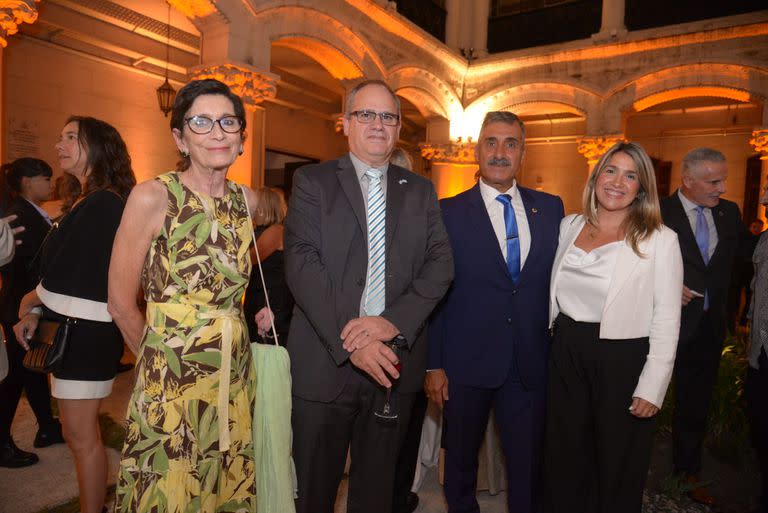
(187, 315)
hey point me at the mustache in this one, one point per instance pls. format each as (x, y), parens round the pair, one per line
(502, 162)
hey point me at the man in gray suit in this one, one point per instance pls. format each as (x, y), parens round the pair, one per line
(367, 259)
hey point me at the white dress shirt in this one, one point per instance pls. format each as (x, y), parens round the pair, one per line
(496, 212)
(691, 211)
(41, 211)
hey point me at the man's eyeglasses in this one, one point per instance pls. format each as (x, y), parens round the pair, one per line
(203, 125)
(368, 116)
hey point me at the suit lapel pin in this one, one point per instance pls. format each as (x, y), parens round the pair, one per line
(720, 213)
(534, 210)
(402, 181)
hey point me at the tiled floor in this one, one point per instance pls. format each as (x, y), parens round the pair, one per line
(52, 481)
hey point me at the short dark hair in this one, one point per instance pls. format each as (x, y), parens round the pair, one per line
(107, 156)
(349, 105)
(187, 96)
(25, 167)
(503, 116)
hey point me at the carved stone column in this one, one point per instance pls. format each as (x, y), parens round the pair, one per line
(193, 8)
(759, 142)
(452, 24)
(593, 147)
(480, 13)
(612, 27)
(253, 86)
(453, 165)
(12, 14)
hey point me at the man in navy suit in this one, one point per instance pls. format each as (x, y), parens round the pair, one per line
(488, 341)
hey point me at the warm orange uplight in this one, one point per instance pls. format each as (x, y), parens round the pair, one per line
(452, 179)
(690, 92)
(337, 64)
(396, 26)
(193, 8)
(13, 14)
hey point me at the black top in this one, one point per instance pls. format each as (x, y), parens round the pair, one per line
(75, 259)
(280, 298)
(21, 274)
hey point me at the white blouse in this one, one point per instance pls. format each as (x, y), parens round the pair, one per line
(584, 281)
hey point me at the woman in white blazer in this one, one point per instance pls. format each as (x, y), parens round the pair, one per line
(615, 315)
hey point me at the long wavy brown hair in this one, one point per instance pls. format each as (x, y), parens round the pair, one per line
(107, 159)
(644, 215)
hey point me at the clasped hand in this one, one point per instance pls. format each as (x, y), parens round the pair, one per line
(364, 338)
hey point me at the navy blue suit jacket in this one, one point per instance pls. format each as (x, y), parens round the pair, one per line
(486, 324)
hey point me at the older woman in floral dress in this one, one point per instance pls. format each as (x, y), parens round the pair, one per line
(185, 238)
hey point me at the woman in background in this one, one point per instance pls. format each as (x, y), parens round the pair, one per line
(615, 312)
(29, 179)
(66, 191)
(74, 266)
(269, 221)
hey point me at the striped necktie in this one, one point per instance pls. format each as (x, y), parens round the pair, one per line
(375, 286)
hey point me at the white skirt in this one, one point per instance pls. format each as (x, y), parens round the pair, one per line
(76, 389)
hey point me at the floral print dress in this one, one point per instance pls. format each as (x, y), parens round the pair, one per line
(188, 444)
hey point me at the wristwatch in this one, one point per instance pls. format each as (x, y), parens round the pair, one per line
(399, 341)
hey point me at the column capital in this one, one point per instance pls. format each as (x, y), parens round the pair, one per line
(193, 8)
(592, 147)
(12, 14)
(252, 85)
(454, 152)
(759, 142)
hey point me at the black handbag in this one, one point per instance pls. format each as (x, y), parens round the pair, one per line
(48, 345)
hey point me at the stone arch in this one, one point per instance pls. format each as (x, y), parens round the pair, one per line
(737, 82)
(430, 94)
(566, 96)
(336, 63)
(323, 38)
(573, 99)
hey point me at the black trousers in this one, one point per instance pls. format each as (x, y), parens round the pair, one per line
(322, 432)
(696, 365)
(18, 379)
(757, 404)
(405, 471)
(597, 454)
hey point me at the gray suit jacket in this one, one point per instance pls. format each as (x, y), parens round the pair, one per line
(326, 259)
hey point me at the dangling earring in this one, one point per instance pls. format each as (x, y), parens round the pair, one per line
(184, 154)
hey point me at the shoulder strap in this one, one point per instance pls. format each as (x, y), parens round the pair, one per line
(258, 262)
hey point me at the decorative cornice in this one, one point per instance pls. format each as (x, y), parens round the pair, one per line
(454, 152)
(252, 85)
(593, 147)
(12, 14)
(759, 142)
(193, 8)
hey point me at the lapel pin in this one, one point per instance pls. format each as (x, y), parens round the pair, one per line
(720, 213)
(402, 181)
(535, 210)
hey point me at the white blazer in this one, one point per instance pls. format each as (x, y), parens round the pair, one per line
(643, 301)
